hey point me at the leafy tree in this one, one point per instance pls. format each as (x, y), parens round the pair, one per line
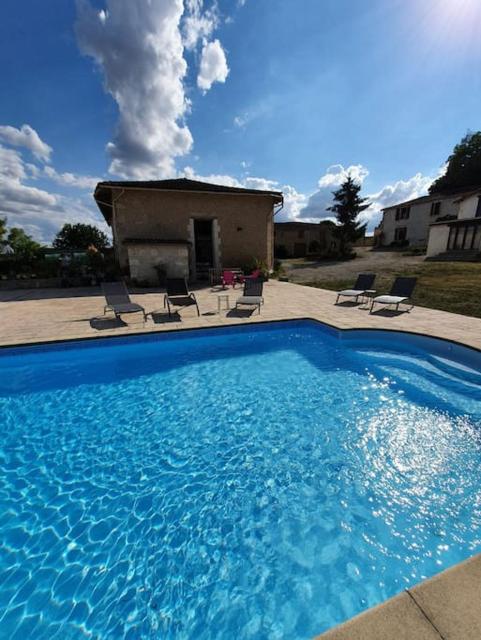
(347, 206)
(3, 231)
(464, 166)
(24, 246)
(80, 236)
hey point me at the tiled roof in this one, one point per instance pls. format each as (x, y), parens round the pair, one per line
(103, 190)
(460, 193)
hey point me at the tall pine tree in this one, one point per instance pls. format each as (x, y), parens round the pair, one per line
(347, 206)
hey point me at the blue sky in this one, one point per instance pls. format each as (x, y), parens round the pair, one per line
(263, 93)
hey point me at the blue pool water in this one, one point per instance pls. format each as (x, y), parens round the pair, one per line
(265, 482)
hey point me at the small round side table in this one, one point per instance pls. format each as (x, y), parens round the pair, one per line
(222, 298)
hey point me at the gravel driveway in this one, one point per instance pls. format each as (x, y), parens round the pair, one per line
(380, 262)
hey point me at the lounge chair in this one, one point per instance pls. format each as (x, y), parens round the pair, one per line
(252, 295)
(228, 278)
(178, 295)
(118, 300)
(401, 291)
(363, 283)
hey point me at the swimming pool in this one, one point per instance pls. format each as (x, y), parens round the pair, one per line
(268, 481)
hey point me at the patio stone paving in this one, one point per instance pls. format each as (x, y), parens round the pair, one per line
(60, 314)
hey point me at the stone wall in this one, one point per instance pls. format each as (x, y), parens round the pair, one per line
(244, 222)
(143, 258)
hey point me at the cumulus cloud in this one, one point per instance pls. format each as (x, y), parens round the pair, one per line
(318, 203)
(314, 207)
(140, 54)
(392, 194)
(213, 65)
(248, 182)
(198, 24)
(28, 138)
(71, 179)
(40, 212)
(294, 203)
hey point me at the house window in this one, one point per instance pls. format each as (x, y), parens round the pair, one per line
(435, 208)
(478, 208)
(464, 236)
(402, 213)
(400, 234)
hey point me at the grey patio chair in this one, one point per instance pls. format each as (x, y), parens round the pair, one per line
(401, 292)
(118, 300)
(363, 283)
(252, 295)
(178, 295)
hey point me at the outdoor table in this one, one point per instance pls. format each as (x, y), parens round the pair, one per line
(222, 298)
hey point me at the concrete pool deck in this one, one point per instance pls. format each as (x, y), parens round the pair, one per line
(447, 606)
(43, 315)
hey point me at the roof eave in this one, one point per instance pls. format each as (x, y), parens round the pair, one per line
(278, 196)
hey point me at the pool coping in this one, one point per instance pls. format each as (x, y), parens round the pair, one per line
(341, 330)
(444, 607)
(426, 611)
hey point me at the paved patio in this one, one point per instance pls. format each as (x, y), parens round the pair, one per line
(39, 315)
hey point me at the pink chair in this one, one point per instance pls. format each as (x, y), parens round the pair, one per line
(254, 275)
(228, 277)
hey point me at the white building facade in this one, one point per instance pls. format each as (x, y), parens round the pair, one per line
(460, 237)
(407, 223)
(441, 222)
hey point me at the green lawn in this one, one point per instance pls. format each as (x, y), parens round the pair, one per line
(450, 286)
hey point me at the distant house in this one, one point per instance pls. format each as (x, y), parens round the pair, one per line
(458, 238)
(300, 239)
(187, 227)
(407, 223)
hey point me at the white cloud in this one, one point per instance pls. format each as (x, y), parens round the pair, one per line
(240, 121)
(263, 108)
(70, 179)
(26, 137)
(213, 65)
(214, 178)
(140, 53)
(318, 203)
(198, 24)
(392, 194)
(248, 182)
(40, 212)
(336, 174)
(314, 207)
(294, 202)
